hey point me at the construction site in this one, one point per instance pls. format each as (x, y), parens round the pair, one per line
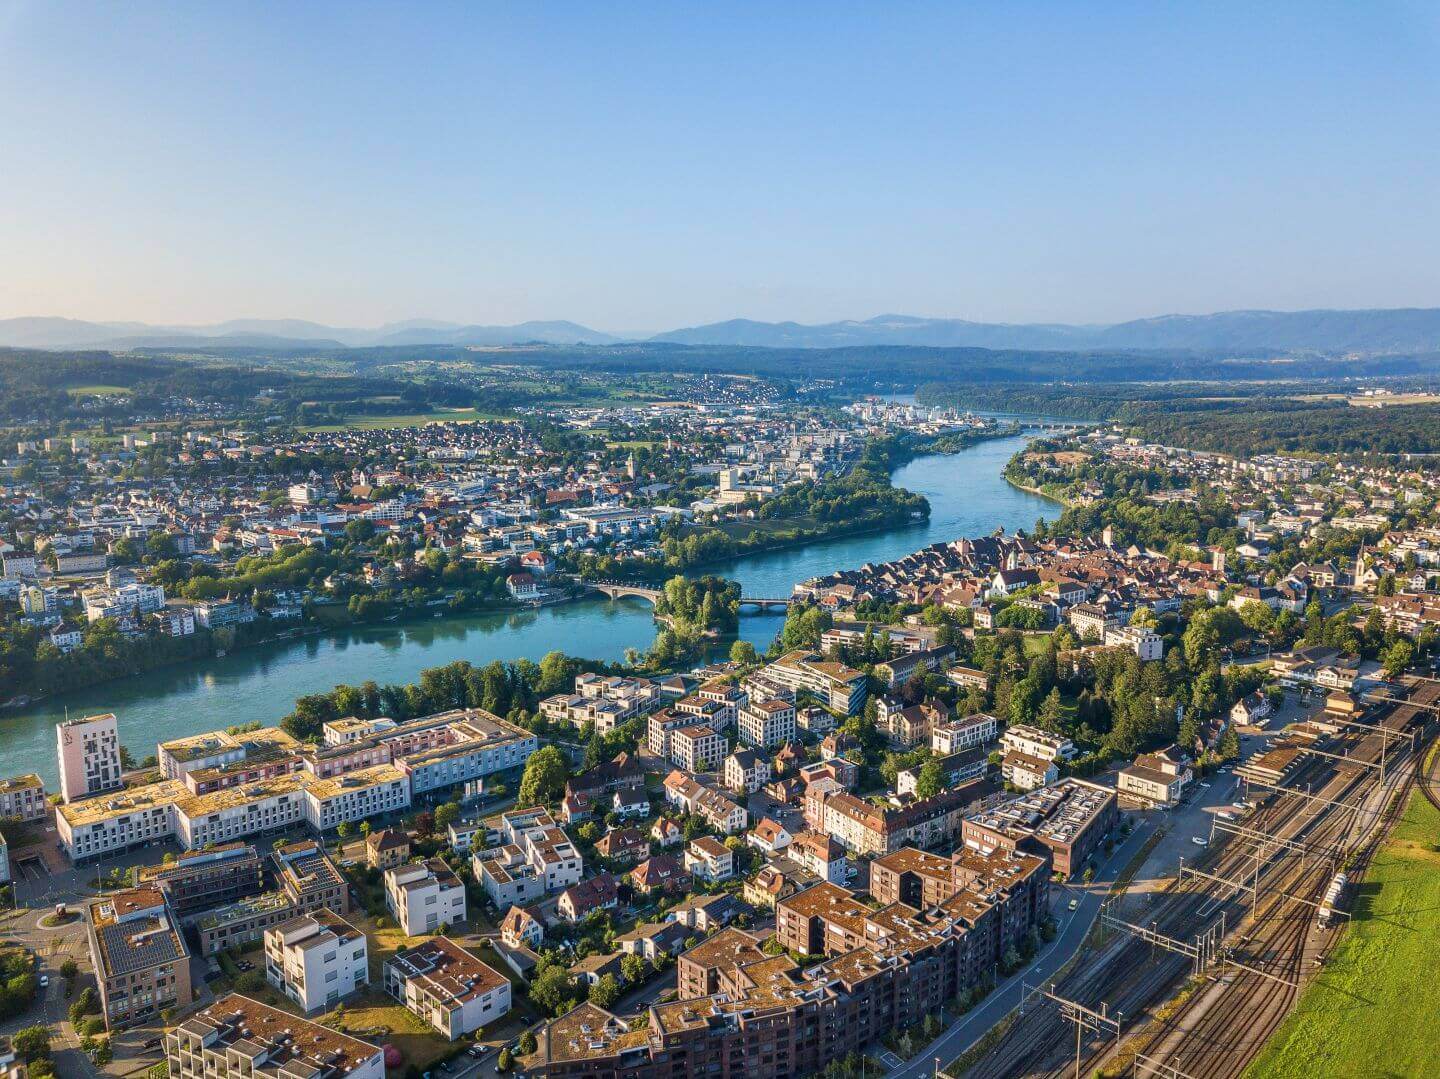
(1189, 980)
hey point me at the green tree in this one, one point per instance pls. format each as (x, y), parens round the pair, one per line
(743, 654)
(446, 815)
(544, 778)
(931, 780)
(554, 990)
(632, 968)
(1397, 657)
(605, 991)
(505, 1061)
(32, 1042)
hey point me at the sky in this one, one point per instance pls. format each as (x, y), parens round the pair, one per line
(637, 167)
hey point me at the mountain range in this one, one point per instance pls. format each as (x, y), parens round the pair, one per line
(1374, 331)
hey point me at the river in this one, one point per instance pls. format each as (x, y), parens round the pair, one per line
(968, 496)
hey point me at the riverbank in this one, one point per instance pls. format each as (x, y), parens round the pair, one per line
(1039, 492)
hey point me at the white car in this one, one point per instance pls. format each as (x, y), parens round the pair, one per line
(1199, 841)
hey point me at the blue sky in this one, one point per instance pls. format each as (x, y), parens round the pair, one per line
(644, 167)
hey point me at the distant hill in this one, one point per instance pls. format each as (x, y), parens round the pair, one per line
(1370, 332)
(1375, 331)
(60, 333)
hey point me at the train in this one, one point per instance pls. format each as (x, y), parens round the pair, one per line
(1333, 900)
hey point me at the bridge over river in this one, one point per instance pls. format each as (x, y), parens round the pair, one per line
(748, 604)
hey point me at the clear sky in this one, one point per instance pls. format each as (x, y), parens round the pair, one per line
(644, 167)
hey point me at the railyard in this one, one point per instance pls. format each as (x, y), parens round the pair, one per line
(1192, 980)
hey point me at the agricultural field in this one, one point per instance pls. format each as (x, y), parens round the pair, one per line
(364, 422)
(1374, 1010)
(97, 391)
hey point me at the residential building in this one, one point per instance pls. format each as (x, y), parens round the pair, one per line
(838, 686)
(317, 960)
(239, 1038)
(1066, 821)
(89, 753)
(697, 748)
(709, 860)
(1158, 778)
(447, 987)
(745, 771)
(767, 723)
(23, 798)
(141, 961)
(387, 848)
(200, 880)
(424, 897)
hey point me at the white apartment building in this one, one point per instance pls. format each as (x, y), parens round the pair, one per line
(89, 753)
(424, 896)
(317, 959)
(1142, 640)
(537, 859)
(447, 987)
(767, 723)
(239, 1038)
(1037, 743)
(977, 730)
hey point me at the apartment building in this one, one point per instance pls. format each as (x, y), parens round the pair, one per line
(239, 1038)
(745, 771)
(89, 754)
(200, 880)
(23, 797)
(317, 960)
(1066, 821)
(141, 961)
(838, 686)
(1157, 778)
(697, 748)
(1034, 742)
(709, 860)
(754, 1014)
(447, 987)
(723, 814)
(535, 858)
(1142, 640)
(767, 723)
(960, 734)
(863, 828)
(424, 896)
(309, 881)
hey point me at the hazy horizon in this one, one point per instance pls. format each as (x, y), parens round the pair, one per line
(649, 168)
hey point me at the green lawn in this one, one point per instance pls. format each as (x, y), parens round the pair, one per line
(361, 421)
(1375, 1009)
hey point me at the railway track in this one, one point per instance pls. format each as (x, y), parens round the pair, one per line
(1131, 977)
(1220, 1030)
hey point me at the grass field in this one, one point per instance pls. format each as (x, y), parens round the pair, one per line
(97, 391)
(410, 419)
(1375, 1009)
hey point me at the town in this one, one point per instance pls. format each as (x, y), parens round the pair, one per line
(820, 857)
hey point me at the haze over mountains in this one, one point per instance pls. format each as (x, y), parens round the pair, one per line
(1331, 331)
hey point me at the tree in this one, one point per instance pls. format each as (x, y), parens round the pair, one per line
(343, 831)
(528, 1043)
(544, 777)
(931, 780)
(554, 990)
(605, 991)
(742, 653)
(632, 968)
(32, 1043)
(505, 1061)
(1397, 657)
(1052, 712)
(446, 815)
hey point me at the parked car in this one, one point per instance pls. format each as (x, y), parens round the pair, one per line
(1199, 841)
(1074, 904)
